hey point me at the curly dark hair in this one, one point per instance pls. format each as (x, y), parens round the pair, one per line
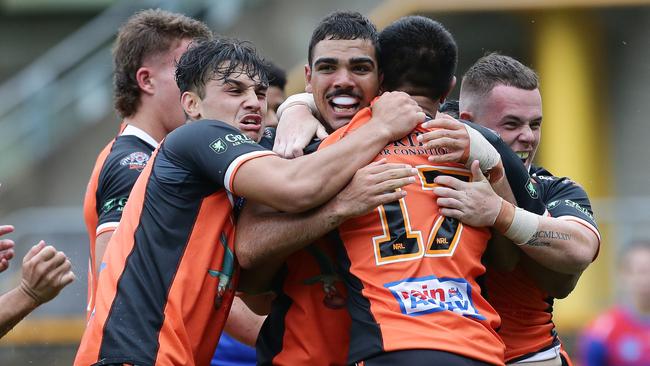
(218, 59)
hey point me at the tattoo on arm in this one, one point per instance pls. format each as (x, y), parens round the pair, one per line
(542, 238)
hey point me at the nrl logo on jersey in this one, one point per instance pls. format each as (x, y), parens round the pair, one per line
(218, 146)
(137, 160)
(425, 295)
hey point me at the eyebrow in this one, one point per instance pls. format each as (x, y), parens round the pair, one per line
(362, 60)
(353, 60)
(511, 118)
(239, 84)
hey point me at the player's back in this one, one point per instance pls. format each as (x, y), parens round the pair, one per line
(412, 275)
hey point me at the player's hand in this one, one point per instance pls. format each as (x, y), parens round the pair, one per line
(473, 203)
(46, 272)
(297, 127)
(397, 114)
(373, 185)
(6, 247)
(449, 140)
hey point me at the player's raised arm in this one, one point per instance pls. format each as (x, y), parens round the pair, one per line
(303, 183)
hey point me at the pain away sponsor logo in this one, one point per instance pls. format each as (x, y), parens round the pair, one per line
(425, 295)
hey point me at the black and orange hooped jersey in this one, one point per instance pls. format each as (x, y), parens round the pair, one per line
(413, 275)
(526, 310)
(117, 168)
(170, 272)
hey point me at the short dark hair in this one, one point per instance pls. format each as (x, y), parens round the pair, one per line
(277, 76)
(146, 34)
(496, 69)
(418, 52)
(218, 59)
(344, 25)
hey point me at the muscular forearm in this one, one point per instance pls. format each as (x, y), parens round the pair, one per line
(317, 177)
(562, 245)
(14, 306)
(270, 237)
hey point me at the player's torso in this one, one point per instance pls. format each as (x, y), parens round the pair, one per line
(170, 274)
(113, 176)
(526, 310)
(417, 271)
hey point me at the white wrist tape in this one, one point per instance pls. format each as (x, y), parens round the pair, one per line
(524, 226)
(480, 149)
(306, 99)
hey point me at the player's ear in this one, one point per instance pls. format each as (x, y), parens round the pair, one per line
(143, 77)
(308, 87)
(467, 116)
(191, 104)
(452, 84)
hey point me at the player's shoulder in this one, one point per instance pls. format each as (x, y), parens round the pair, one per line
(546, 178)
(127, 152)
(201, 130)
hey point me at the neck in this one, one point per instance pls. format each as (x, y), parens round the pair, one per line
(147, 122)
(429, 105)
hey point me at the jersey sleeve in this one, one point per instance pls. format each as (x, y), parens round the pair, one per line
(212, 149)
(525, 189)
(121, 170)
(568, 200)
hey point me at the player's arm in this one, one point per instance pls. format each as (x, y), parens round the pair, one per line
(242, 323)
(463, 142)
(555, 284)
(298, 125)
(101, 243)
(6, 247)
(264, 237)
(561, 244)
(45, 272)
(308, 181)
(115, 183)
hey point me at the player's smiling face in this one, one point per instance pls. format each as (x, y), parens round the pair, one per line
(236, 100)
(516, 114)
(343, 78)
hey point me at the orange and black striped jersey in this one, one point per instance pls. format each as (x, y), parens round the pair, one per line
(412, 274)
(308, 323)
(116, 170)
(170, 272)
(526, 310)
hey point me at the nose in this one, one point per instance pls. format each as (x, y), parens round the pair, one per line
(252, 102)
(343, 79)
(526, 134)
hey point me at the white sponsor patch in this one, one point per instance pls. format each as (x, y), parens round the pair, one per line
(424, 295)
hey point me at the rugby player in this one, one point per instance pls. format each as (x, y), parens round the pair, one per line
(147, 99)
(500, 93)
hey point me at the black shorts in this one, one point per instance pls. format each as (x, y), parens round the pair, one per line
(420, 357)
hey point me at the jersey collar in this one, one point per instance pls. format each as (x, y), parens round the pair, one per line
(134, 131)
